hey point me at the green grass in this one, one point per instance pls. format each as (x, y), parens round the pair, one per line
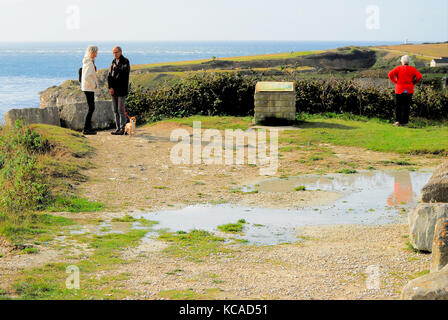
(126, 218)
(195, 245)
(219, 123)
(30, 251)
(410, 248)
(43, 162)
(37, 226)
(372, 134)
(419, 274)
(65, 139)
(348, 171)
(287, 55)
(189, 294)
(74, 204)
(347, 130)
(48, 282)
(233, 227)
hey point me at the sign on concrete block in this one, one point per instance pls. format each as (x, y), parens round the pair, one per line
(275, 86)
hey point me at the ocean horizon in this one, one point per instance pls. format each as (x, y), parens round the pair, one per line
(28, 68)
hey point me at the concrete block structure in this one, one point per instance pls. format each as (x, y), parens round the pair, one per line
(275, 101)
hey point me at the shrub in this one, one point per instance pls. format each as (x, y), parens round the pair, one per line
(199, 94)
(23, 186)
(232, 94)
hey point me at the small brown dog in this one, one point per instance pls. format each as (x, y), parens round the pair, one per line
(130, 127)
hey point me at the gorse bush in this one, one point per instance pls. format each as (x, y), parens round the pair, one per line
(232, 94)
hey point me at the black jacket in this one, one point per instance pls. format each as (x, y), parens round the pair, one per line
(118, 77)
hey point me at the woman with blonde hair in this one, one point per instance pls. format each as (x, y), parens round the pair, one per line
(405, 78)
(89, 85)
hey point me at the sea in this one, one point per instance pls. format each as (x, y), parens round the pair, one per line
(29, 68)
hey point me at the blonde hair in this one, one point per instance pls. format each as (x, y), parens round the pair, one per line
(405, 60)
(90, 51)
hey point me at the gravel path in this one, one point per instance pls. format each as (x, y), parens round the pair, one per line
(332, 264)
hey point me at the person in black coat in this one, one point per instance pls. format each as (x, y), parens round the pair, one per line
(118, 81)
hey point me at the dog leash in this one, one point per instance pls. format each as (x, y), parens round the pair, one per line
(116, 98)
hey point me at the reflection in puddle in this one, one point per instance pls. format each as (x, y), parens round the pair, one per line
(370, 198)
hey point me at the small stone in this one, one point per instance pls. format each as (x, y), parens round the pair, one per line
(440, 246)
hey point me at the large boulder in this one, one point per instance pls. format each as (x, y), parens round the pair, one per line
(73, 115)
(433, 286)
(440, 246)
(33, 115)
(437, 188)
(422, 222)
(72, 104)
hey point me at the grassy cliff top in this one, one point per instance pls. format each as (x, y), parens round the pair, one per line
(425, 51)
(354, 61)
(430, 50)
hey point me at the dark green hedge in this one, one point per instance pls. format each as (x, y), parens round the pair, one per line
(232, 94)
(199, 94)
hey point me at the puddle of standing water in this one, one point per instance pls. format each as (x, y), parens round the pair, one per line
(369, 198)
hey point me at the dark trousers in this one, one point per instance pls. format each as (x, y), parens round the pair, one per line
(91, 103)
(118, 104)
(403, 107)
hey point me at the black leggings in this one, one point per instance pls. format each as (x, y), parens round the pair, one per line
(403, 107)
(91, 102)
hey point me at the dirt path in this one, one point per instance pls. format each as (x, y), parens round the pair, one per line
(137, 173)
(331, 263)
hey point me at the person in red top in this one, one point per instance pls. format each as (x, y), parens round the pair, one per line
(405, 78)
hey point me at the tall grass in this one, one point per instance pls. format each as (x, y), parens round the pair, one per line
(26, 187)
(23, 187)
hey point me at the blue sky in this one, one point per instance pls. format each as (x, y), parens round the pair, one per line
(142, 20)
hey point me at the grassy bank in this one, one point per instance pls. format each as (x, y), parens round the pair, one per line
(40, 167)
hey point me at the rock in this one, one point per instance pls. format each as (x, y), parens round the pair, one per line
(70, 92)
(422, 222)
(437, 188)
(48, 116)
(433, 286)
(73, 115)
(72, 105)
(440, 246)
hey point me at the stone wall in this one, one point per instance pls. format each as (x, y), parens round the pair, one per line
(48, 116)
